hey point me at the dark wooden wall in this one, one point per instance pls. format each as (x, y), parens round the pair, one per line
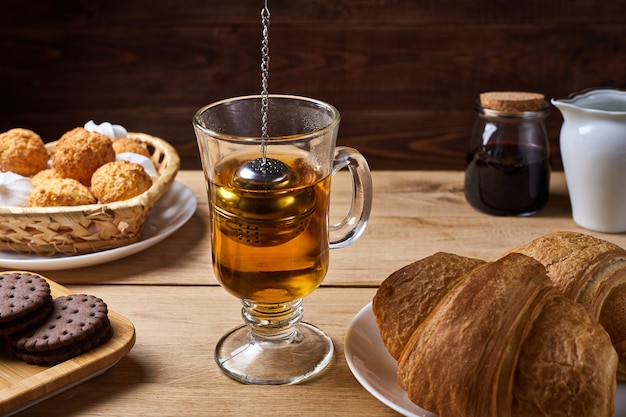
(403, 73)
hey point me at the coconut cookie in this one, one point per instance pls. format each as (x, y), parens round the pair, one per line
(80, 152)
(23, 152)
(63, 192)
(119, 180)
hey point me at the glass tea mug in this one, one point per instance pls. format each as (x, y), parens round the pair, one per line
(269, 200)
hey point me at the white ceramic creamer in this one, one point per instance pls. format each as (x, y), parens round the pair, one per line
(593, 150)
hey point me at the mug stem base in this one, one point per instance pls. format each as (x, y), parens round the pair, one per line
(253, 360)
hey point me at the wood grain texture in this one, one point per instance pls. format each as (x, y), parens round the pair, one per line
(403, 73)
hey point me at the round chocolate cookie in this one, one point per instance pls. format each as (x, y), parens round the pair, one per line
(25, 301)
(76, 324)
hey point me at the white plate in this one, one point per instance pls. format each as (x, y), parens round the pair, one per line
(170, 212)
(375, 368)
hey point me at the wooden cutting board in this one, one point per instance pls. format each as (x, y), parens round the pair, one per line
(23, 385)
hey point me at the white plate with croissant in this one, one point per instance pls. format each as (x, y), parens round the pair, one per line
(375, 369)
(495, 338)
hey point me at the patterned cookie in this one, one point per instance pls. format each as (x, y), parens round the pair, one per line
(25, 301)
(77, 324)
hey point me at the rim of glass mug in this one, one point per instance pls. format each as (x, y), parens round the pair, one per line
(332, 111)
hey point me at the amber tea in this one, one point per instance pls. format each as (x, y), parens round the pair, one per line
(270, 245)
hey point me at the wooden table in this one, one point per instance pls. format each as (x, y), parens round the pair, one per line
(179, 311)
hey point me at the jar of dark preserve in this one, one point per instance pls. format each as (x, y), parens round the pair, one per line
(508, 164)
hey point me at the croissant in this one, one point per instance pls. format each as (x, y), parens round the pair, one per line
(592, 272)
(501, 341)
(398, 313)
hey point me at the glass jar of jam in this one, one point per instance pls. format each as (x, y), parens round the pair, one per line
(508, 164)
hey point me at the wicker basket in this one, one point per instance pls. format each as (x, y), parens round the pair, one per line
(47, 231)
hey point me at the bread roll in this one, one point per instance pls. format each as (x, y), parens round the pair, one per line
(592, 272)
(501, 341)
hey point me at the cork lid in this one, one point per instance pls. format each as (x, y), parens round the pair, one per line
(512, 101)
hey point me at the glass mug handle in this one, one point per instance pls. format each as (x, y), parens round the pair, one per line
(352, 226)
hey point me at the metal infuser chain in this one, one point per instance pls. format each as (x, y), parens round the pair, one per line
(263, 172)
(267, 219)
(265, 64)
